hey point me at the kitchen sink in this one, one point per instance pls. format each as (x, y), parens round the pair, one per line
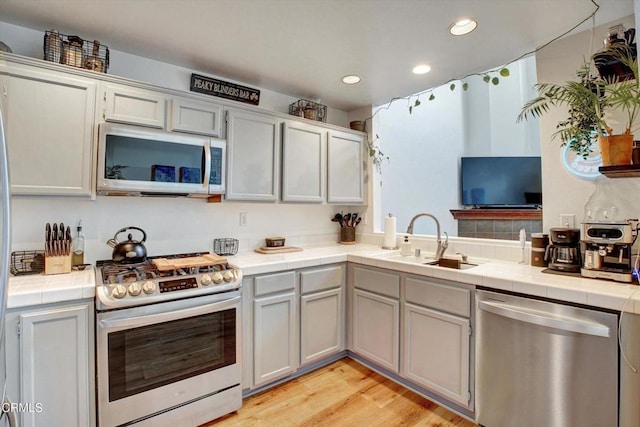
(451, 263)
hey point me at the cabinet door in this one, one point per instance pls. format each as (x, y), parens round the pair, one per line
(201, 118)
(436, 352)
(304, 162)
(345, 175)
(274, 344)
(376, 328)
(253, 151)
(49, 120)
(54, 367)
(124, 104)
(321, 325)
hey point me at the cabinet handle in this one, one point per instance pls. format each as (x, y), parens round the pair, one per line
(549, 320)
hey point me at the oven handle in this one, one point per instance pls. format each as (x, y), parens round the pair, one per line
(134, 322)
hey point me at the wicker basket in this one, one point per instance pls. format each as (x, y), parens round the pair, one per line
(75, 52)
(309, 110)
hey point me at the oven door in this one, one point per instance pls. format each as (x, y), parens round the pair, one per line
(161, 356)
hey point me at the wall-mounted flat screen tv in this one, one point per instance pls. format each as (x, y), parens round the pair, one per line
(501, 181)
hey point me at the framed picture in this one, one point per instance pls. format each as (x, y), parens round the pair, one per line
(190, 175)
(163, 173)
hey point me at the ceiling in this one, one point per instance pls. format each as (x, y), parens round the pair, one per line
(303, 48)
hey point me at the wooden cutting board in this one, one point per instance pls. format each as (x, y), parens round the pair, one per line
(278, 250)
(164, 264)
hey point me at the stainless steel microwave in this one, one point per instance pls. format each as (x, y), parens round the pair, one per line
(133, 160)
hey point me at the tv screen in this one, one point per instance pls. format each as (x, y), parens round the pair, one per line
(501, 181)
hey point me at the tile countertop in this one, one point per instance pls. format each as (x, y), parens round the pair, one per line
(499, 275)
(30, 290)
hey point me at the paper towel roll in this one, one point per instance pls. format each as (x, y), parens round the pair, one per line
(390, 233)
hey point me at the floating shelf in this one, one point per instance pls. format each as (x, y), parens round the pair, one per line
(620, 171)
(514, 214)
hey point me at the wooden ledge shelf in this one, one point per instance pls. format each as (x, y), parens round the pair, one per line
(620, 171)
(513, 214)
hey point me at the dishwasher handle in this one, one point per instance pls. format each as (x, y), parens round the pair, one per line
(541, 318)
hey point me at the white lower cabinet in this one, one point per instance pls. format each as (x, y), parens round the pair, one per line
(274, 327)
(375, 316)
(321, 313)
(434, 351)
(50, 364)
(436, 345)
(294, 318)
(376, 328)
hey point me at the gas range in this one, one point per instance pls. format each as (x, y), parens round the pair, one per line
(163, 278)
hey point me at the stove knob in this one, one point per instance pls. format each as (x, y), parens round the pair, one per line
(135, 289)
(205, 279)
(149, 287)
(119, 291)
(228, 276)
(217, 278)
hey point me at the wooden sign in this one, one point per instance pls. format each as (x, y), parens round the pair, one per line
(224, 89)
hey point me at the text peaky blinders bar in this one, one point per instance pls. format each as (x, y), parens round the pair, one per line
(227, 90)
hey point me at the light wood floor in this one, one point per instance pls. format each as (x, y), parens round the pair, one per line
(344, 393)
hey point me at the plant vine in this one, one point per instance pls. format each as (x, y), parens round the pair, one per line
(413, 101)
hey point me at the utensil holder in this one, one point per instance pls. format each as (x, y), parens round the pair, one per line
(57, 264)
(348, 235)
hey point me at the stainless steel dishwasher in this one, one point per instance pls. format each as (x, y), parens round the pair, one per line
(540, 363)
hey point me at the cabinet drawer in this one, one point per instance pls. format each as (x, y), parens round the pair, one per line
(321, 279)
(439, 296)
(377, 281)
(275, 283)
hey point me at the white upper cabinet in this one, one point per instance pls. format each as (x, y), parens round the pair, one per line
(126, 104)
(202, 118)
(345, 183)
(303, 162)
(253, 152)
(49, 119)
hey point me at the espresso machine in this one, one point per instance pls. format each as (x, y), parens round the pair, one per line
(563, 252)
(606, 250)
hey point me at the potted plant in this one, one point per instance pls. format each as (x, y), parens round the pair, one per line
(592, 102)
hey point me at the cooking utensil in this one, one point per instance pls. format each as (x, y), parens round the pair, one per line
(347, 220)
(338, 218)
(357, 221)
(129, 251)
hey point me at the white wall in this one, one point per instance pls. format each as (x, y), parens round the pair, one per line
(27, 42)
(563, 192)
(172, 225)
(425, 147)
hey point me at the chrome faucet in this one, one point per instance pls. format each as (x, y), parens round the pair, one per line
(440, 245)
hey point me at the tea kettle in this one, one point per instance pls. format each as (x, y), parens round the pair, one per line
(129, 251)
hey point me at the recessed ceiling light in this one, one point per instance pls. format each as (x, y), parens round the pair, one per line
(463, 26)
(351, 79)
(421, 69)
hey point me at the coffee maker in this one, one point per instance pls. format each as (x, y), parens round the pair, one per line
(606, 250)
(563, 252)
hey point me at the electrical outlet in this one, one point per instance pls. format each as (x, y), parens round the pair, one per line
(568, 220)
(244, 219)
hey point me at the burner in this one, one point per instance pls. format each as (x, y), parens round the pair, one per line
(125, 273)
(155, 280)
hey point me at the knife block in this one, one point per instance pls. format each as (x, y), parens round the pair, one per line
(57, 264)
